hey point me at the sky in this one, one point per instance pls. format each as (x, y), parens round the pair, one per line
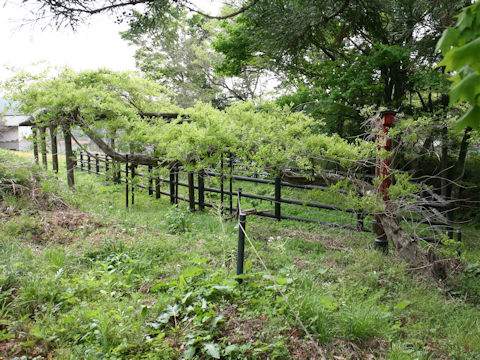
(94, 45)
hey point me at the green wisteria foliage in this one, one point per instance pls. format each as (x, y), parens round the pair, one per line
(265, 134)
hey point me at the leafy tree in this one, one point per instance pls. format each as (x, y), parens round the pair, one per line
(461, 48)
(180, 57)
(347, 55)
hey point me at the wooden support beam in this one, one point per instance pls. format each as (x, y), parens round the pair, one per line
(35, 143)
(69, 156)
(53, 141)
(43, 146)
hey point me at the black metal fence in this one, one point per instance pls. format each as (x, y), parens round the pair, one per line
(127, 173)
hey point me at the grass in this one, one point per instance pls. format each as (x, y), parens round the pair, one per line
(95, 280)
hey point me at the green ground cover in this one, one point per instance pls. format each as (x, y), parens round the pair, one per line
(81, 277)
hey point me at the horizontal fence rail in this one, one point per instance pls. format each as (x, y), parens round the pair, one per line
(101, 164)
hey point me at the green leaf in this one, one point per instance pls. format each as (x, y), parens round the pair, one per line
(192, 271)
(230, 348)
(163, 318)
(402, 305)
(224, 288)
(467, 89)
(470, 118)
(173, 310)
(144, 312)
(465, 19)
(466, 55)
(213, 350)
(216, 320)
(323, 270)
(189, 352)
(448, 39)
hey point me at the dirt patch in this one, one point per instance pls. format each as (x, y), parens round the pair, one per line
(64, 226)
(40, 227)
(19, 347)
(301, 347)
(242, 331)
(342, 349)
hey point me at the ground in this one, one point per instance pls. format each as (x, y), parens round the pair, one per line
(81, 277)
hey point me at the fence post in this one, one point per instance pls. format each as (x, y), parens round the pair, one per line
(230, 160)
(191, 190)
(81, 161)
(157, 186)
(150, 181)
(107, 167)
(132, 170)
(126, 181)
(201, 190)
(278, 197)
(172, 185)
(239, 202)
(89, 166)
(241, 246)
(221, 184)
(177, 175)
(97, 166)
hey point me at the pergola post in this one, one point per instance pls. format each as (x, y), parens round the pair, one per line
(35, 143)
(53, 141)
(43, 146)
(69, 155)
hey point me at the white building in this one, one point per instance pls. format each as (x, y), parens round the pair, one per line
(14, 135)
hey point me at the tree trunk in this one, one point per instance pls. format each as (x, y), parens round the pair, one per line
(53, 141)
(444, 164)
(460, 166)
(409, 248)
(69, 156)
(43, 146)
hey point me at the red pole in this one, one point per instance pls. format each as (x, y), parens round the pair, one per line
(384, 121)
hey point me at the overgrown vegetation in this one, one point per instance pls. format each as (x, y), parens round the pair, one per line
(122, 284)
(82, 277)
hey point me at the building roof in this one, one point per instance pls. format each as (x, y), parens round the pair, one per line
(15, 120)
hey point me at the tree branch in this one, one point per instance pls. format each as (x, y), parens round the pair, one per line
(224, 17)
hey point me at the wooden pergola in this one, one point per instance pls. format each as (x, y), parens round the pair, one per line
(39, 141)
